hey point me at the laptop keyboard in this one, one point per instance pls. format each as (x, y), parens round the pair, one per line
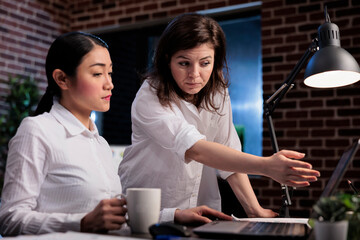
(248, 229)
(265, 228)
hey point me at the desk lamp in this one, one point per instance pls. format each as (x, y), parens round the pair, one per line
(331, 66)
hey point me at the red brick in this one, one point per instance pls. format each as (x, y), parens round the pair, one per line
(273, 41)
(284, 30)
(311, 103)
(151, 6)
(11, 5)
(196, 8)
(178, 11)
(295, 19)
(132, 10)
(311, 123)
(322, 113)
(284, 11)
(297, 133)
(323, 133)
(168, 4)
(217, 4)
(187, 1)
(142, 17)
(271, 22)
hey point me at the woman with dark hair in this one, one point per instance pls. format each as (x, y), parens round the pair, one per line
(183, 131)
(60, 175)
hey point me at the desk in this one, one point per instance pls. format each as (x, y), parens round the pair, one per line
(123, 234)
(81, 236)
(90, 236)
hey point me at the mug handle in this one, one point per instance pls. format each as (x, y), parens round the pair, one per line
(120, 196)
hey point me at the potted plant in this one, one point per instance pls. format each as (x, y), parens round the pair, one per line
(352, 203)
(330, 222)
(22, 99)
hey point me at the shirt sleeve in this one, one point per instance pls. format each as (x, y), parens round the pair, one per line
(164, 125)
(228, 135)
(167, 215)
(25, 172)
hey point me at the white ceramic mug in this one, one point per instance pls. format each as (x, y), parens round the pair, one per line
(143, 206)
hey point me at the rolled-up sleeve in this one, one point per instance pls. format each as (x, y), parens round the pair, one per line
(164, 125)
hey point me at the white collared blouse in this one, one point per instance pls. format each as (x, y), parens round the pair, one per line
(57, 171)
(160, 138)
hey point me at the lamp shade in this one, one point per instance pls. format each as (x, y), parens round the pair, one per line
(331, 66)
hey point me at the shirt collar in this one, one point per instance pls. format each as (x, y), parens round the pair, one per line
(72, 125)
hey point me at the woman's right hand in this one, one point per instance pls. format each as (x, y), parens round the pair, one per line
(282, 167)
(109, 214)
(198, 215)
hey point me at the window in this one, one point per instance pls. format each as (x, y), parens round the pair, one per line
(243, 38)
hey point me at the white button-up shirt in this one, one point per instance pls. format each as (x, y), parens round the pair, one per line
(57, 171)
(160, 138)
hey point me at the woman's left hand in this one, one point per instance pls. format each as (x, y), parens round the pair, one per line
(263, 213)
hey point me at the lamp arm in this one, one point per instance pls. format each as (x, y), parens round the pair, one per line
(269, 106)
(274, 99)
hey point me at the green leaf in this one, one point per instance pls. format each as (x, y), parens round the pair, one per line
(22, 100)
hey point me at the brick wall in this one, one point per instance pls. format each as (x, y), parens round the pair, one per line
(27, 29)
(320, 123)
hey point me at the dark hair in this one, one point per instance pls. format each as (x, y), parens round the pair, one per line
(185, 32)
(66, 54)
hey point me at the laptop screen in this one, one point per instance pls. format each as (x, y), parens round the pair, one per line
(340, 169)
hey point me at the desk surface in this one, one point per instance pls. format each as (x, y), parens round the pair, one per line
(79, 236)
(90, 236)
(123, 234)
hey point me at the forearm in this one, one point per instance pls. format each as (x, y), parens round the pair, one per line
(282, 166)
(224, 158)
(243, 191)
(20, 222)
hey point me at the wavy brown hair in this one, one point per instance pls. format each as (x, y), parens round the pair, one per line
(184, 32)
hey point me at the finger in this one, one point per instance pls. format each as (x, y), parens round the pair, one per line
(118, 210)
(270, 214)
(216, 214)
(301, 178)
(297, 184)
(292, 154)
(200, 219)
(122, 201)
(113, 226)
(299, 164)
(117, 201)
(120, 220)
(115, 219)
(274, 214)
(305, 172)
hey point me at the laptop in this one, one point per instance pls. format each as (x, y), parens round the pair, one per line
(271, 228)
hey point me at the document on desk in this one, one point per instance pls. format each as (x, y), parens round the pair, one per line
(273, 220)
(72, 236)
